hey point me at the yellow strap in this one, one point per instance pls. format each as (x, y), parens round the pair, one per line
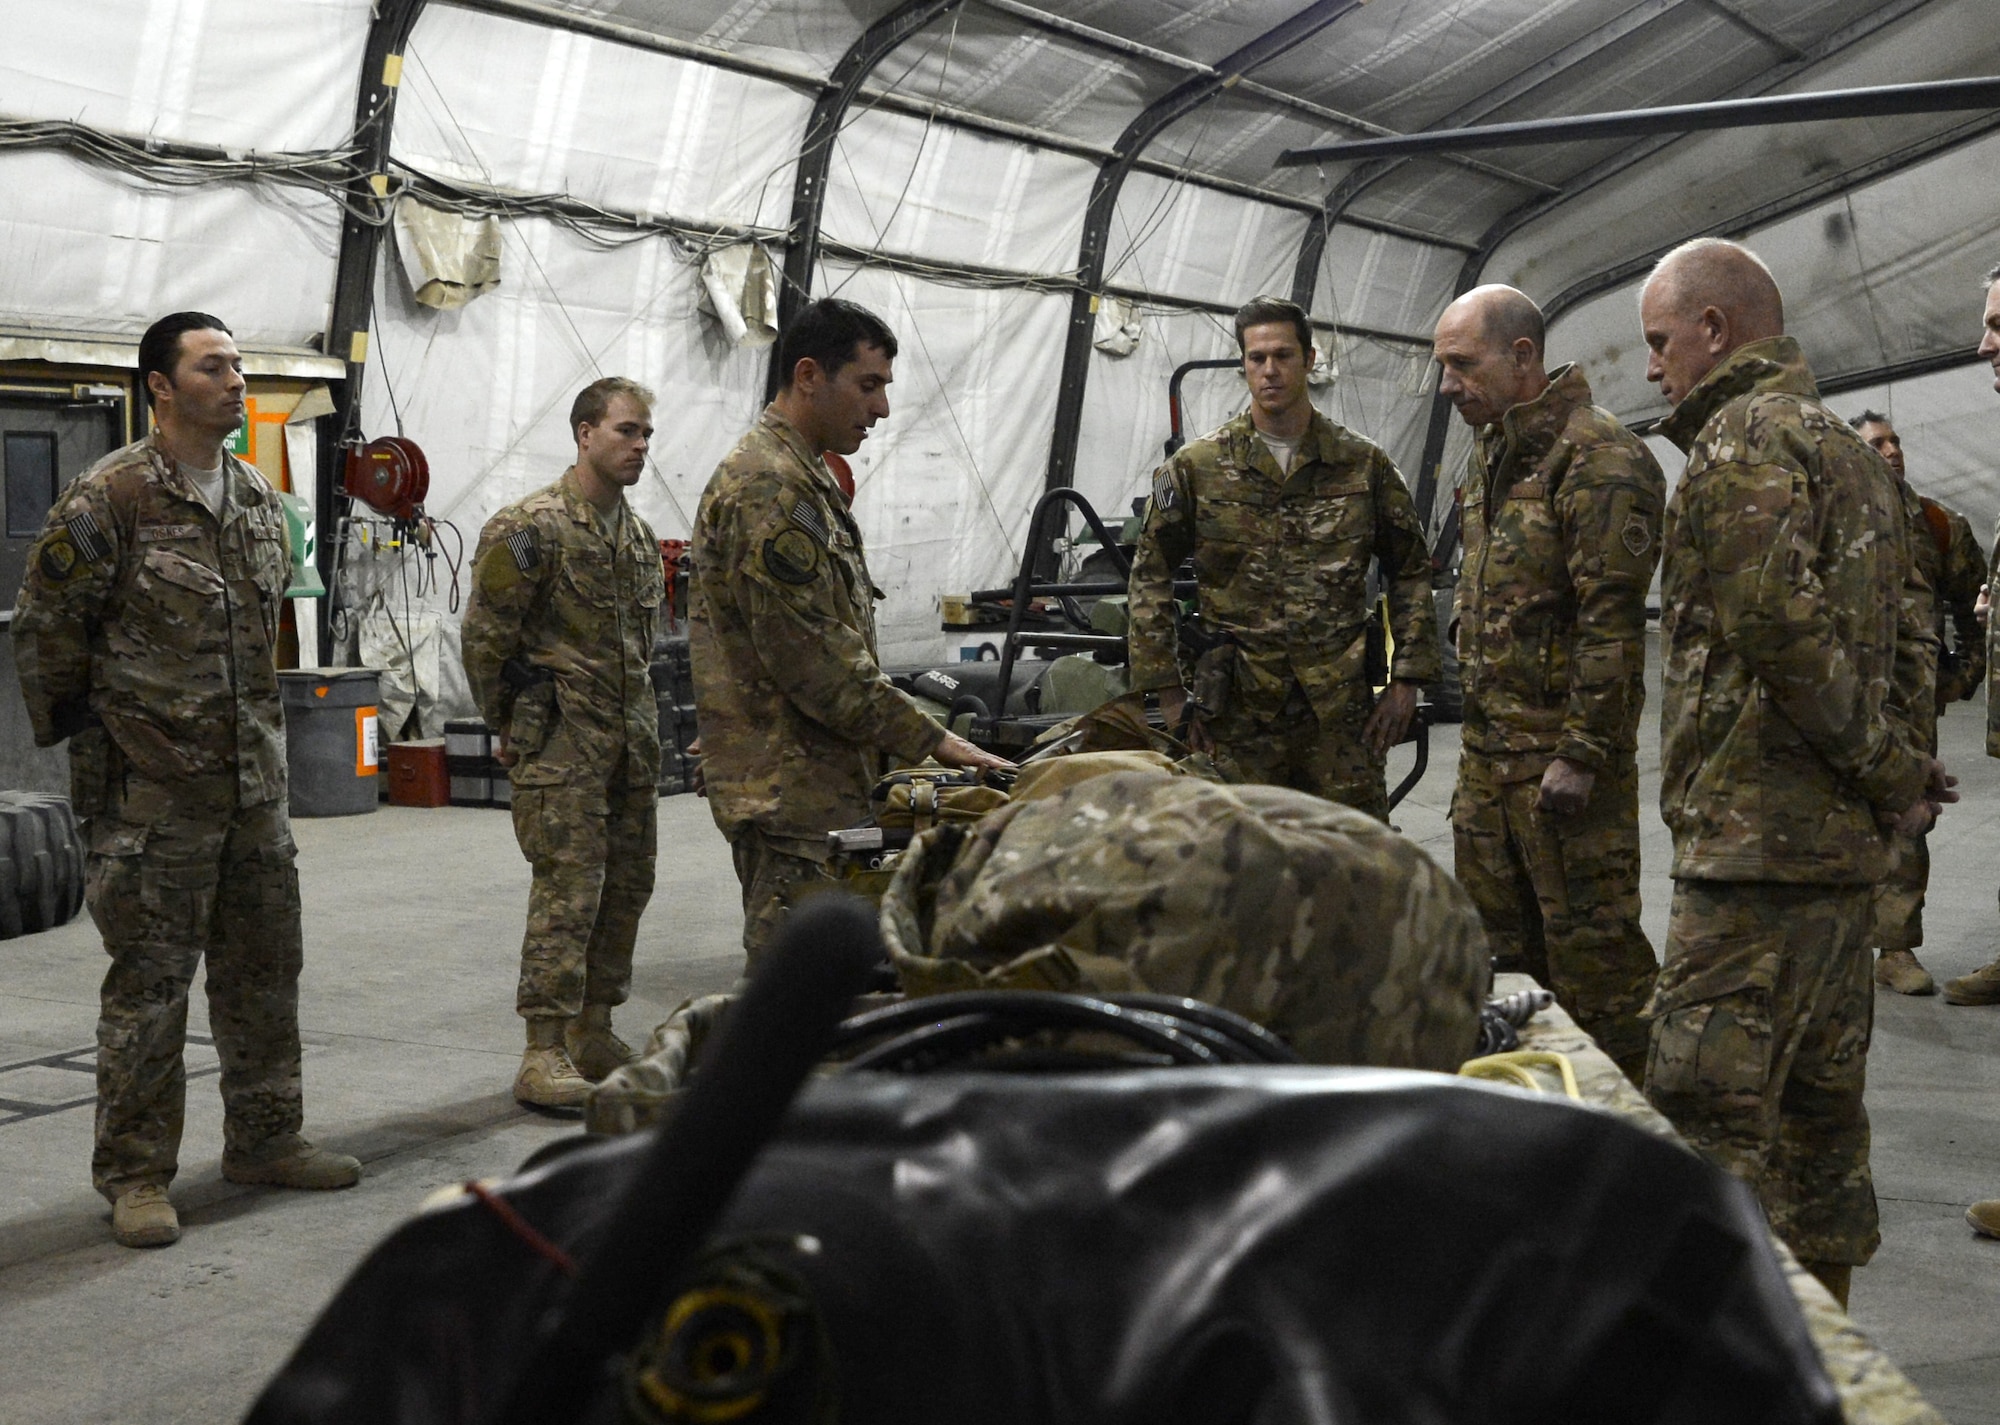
(1512, 1068)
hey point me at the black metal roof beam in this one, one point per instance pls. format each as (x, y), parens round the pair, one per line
(1305, 277)
(815, 160)
(354, 267)
(1764, 214)
(556, 18)
(1155, 118)
(1935, 97)
(1117, 44)
(1763, 34)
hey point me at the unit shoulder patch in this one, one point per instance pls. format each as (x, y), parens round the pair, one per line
(59, 559)
(1635, 536)
(792, 557)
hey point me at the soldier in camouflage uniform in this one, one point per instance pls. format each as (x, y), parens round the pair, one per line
(145, 634)
(1282, 511)
(1782, 759)
(558, 640)
(796, 715)
(1982, 986)
(1949, 568)
(1562, 531)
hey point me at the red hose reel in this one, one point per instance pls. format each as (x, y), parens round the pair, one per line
(389, 475)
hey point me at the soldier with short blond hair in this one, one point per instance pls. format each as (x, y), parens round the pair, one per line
(558, 646)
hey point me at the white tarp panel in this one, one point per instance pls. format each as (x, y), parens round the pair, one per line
(945, 486)
(539, 110)
(238, 73)
(1388, 283)
(93, 253)
(486, 390)
(1125, 416)
(1199, 243)
(912, 187)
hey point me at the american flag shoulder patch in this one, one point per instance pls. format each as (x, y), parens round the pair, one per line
(806, 515)
(521, 544)
(87, 536)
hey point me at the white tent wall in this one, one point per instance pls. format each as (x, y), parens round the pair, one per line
(1178, 240)
(538, 110)
(1125, 418)
(92, 251)
(486, 389)
(945, 486)
(916, 188)
(238, 73)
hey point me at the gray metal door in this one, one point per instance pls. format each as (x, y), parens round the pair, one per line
(47, 439)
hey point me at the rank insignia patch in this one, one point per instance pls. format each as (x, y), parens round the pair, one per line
(792, 557)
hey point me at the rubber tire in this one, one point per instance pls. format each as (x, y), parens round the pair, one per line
(41, 863)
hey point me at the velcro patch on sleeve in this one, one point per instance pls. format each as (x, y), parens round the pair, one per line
(806, 515)
(1635, 536)
(521, 544)
(59, 558)
(1164, 493)
(792, 557)
(88, 538)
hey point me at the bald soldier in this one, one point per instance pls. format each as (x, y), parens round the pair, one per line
(1783, 765)
(1562, 511)
(1945, 555)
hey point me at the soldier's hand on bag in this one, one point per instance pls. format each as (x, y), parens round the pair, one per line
(1566, 787)
(697, 783)
(955, 751)
(1389, 724)
(502, 753)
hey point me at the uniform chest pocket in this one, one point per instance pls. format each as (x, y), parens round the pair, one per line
(1333, 511)
(592, 580)
(176, 600)
(174, 578)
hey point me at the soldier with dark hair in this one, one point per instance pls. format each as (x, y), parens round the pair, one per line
(1949, 568)
(1784, 765)
(796, 715)
(1282, 512)
(146, 634)
(1562, 531)
(558, 641)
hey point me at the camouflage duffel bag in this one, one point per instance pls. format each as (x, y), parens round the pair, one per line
(1330, 929)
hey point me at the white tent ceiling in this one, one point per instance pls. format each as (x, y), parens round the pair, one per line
(955, 202)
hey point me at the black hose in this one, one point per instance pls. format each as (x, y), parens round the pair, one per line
(746, 1080)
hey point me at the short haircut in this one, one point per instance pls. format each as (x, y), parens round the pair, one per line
(160, 347)
(1993, 276)
(1260, 311)
(595, 399)
(831, 332)
(1871, 418)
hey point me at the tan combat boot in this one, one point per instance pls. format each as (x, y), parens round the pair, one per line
(548, 1079)
(593, 1048)
(1900, 971)
(1985, 1217)
(1982, 986)
(144, 1218)
(293, 1163)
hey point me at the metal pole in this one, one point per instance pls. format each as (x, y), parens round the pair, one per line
(1941, 96)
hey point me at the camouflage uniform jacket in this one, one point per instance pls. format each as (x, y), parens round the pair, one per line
(795, 712)
(141, 611)
(1947, 553)
(1784, 562)
(1916, 704)
(1562, 531)
(1282, 565)
(550, 589)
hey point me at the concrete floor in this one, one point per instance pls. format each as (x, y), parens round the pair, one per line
(413, 919)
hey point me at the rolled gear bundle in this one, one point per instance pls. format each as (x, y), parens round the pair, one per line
(1314, 920)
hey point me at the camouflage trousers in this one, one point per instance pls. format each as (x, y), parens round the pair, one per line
(1761, 1021)
(1295, 748)
(1898, 901)
(592, 842)
(1559, 896)
(176, 873)
(774, 872)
